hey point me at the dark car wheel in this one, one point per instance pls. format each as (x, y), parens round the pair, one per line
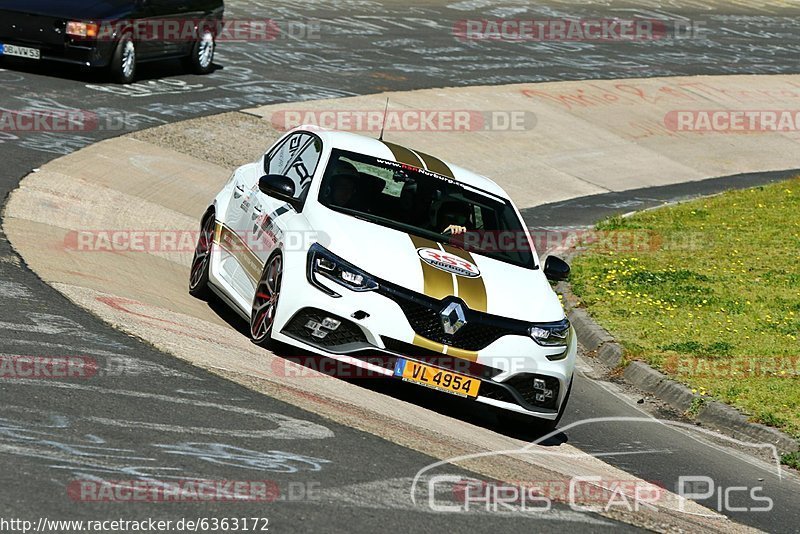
(201, 58)
(123, 62)
(198, 275)
(265, 301)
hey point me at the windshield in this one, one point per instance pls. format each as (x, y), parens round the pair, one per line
(426, 204)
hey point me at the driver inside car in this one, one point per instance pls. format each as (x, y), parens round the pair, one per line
(453, 217)
(343, 185)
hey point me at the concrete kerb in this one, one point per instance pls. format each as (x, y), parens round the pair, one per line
(722, 417)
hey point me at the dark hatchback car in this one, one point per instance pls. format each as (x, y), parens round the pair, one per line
(113, 34)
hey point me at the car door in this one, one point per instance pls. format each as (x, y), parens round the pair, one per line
(164, 29)
(236, 261)
(257, 218)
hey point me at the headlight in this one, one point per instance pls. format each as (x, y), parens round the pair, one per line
(550, 334)
(322, 262)
(81, 29)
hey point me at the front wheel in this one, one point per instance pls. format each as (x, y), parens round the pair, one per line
(265, 301)
(198, 276)
(201, 58)
(123, 62)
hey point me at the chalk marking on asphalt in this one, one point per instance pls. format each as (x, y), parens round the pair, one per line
(288, 427)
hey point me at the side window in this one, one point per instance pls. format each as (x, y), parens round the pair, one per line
(278, 160)
(302, 168)
(478, 218)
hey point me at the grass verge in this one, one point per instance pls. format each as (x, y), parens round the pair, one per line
(708, 291)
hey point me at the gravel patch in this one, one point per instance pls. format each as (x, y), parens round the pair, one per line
(228, 139)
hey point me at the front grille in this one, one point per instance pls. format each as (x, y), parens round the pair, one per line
(472, 336)
(423, 314)
(28, 28)
(348, 332)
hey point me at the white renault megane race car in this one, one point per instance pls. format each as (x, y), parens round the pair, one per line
(391, 260)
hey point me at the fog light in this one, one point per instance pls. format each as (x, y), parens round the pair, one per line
(320, 330)
(330, 324)
(316, 329)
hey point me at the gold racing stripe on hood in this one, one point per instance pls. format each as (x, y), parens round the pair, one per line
(471, 290)
(231, 242)
(439, 284)
(436, 283)
(426, 343)
(404, 155)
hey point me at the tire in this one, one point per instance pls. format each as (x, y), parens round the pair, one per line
(265, 301)
(123, 62)
(517, 421)
(198, 275)
(201, 58)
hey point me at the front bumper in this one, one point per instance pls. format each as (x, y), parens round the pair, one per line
(375, 330)
(75, 53)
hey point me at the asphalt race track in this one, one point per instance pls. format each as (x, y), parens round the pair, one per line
(163, 419)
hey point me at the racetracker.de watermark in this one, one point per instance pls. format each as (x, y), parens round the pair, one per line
(575, 30)
(65, 121)
(739, 367)
(183, 490)
(733, 120)
(185, 241)
(55, 367)
(190, 30)
(410, 120)
(549, 239)
(313, 366)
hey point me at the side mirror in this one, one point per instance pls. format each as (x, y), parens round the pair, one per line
(278, 186)
(556, 269)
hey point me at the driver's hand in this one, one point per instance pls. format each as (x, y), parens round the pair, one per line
(454, 229)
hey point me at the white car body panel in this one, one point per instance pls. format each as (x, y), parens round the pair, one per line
(512, 292)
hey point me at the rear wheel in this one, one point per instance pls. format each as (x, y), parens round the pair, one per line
(123, 62)
(265, 301)
(198, 276)
(201, 58)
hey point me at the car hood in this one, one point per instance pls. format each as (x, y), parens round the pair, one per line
(71, 9)
(400, 258)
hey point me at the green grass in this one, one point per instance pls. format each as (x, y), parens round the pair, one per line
(710, 294)
(791, 459)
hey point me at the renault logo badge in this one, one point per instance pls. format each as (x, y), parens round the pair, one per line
(453, 318)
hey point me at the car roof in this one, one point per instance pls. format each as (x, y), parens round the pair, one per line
(387, 150)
